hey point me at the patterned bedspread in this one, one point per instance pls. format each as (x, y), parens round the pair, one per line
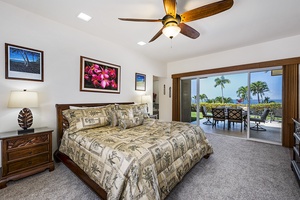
(144, 162)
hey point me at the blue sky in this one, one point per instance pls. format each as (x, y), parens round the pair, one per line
(237, 80)
(18, 57)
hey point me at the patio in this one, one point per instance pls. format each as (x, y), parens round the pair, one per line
(273, 133)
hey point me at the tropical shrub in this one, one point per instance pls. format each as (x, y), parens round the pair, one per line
(256, 108)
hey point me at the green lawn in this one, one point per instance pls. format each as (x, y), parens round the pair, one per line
(194, 116)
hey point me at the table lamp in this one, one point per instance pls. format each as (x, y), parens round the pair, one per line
(146, 99)
(24, 99)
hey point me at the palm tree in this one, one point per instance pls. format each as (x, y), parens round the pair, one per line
(203, 97)
(266, 100)
(23, 54)
(228, 100)
(224, 99)
(221, 81)
(259, 88)
(242, 92)
(195, 98)
(219, 100)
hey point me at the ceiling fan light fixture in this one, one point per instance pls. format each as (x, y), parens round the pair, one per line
(171, 30)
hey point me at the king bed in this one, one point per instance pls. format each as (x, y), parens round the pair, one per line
(120, 153)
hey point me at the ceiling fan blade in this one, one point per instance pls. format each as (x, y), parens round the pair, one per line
(188, 31)
(157, 35)
(206, 11)
(140, 20)
(170, 7)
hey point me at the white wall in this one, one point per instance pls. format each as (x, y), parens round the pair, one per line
(62, 48)
(273, 50)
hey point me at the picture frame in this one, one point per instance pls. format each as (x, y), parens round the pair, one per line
(99, 76)
(23, 63)
(140, 82)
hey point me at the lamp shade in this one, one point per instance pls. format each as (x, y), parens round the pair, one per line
(146, 99)
(23, 99)
(171, 30)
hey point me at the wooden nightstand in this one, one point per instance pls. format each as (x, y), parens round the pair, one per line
(26, 154)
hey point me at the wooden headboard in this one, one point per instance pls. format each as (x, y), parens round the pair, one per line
(62, 123)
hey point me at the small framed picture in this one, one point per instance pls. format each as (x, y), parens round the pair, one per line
(140, 82)
(99, 76)
(23, 63)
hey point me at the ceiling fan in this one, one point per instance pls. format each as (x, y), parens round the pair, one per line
(174, 23)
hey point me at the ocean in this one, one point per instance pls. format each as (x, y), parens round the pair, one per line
(255, 101)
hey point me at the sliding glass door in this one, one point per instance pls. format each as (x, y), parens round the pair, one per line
(258, 94)
(265, 120)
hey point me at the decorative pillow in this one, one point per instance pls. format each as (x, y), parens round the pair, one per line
(124, 113)
(129, 123)
(112, 115)
(138, 109)
(81, 119)
(113, 118)
(141, 109)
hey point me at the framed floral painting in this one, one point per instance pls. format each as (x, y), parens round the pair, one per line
(99, 76)
(140, 82)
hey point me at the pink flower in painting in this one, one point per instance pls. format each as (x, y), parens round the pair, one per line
(86, 69)
(100, 76)
(96, 68)
(95, 78)
(112, 73)
(103, 74)
(104, 83)
(113, 84)
(95, 83)
(86, 77)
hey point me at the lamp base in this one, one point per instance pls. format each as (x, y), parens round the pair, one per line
(24, 131)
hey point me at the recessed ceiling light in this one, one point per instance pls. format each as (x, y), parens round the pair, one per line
(141, 43)
(84, 17)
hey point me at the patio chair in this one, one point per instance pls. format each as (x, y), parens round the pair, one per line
(206, 115)
(257, 121)
(276, 113)
(235, 115)
(218, 115)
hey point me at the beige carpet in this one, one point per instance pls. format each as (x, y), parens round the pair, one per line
(238, 169)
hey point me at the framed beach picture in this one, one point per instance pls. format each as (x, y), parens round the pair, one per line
(99, 76)
(23, 63)
(140, 82)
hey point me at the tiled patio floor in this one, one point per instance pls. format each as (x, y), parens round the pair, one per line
(272, 134)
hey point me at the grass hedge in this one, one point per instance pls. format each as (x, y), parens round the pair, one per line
(257, 108)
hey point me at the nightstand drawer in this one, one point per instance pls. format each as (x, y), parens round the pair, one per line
(27, 152)
(27, 163)
(27, 141)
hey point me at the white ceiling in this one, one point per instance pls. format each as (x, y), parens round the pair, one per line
(247, 22)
